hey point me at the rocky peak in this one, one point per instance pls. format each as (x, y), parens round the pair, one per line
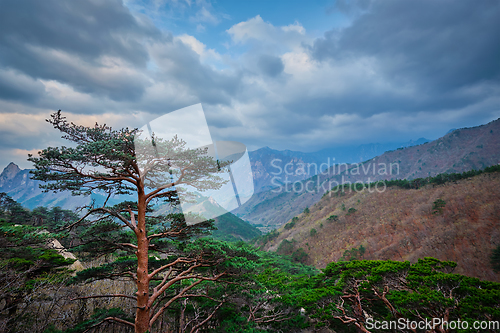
(8, 173)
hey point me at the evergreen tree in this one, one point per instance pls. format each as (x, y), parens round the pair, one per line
(12, 211)
(117, 162)
(40, 216)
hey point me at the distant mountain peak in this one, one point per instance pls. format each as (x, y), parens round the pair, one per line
(213, 202)
(12, 165)
(10, 171)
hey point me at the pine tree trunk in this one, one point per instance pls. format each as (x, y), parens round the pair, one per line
(142, 314)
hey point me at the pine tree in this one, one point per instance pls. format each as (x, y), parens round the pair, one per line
(117, 162)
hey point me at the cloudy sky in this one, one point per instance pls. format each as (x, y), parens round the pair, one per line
(300, 75)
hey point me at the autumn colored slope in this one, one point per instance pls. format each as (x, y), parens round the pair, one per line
(458, 221)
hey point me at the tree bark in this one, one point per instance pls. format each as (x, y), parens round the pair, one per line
(143, 310)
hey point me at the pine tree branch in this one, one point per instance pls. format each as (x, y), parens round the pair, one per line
(167, 234)
(166, 285)
(128, 244)
(150, 196)
(177, 261)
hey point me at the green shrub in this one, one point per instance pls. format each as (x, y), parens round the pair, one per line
(438, 205)
(353, 254)
(332, 218)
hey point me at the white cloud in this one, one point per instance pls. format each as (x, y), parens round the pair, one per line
(294, 27)
(256, 30)
(200, 48)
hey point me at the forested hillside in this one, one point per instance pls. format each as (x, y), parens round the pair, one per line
(456, 219)
(218, 166)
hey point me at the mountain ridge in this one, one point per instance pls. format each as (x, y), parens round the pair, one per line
(262, 158)
(460, 150)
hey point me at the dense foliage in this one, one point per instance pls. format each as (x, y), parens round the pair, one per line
(358, 293)
(28, 263)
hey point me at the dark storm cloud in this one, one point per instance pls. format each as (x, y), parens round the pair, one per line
(9, 137)
(366, 103)
(18, 87)
(180, 64)
(270, 65)
(100, 49)
(438, 46)
(68, 41)
(396, 67)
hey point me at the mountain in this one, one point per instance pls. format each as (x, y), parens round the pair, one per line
(457, 221)
(206, 207)
(20, 187)
(461, 150)
(8, 174)
(263, 166)
(231, 228)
